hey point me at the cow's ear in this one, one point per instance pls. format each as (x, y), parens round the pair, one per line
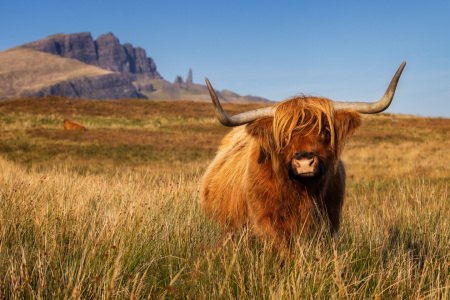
(346, 123)
(262, 131)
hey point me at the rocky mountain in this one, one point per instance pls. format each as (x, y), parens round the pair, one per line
(106, 52)
(77, 66)
(26, 72)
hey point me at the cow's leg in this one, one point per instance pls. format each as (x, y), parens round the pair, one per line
(334, 198)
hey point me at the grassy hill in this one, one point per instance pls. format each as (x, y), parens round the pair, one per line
(113, 212)
(25, 70)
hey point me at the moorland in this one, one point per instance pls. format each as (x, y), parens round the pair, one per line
(113, 212)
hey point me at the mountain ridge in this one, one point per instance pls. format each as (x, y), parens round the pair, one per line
(77, 66)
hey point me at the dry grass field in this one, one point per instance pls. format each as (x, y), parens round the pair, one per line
(113, 212)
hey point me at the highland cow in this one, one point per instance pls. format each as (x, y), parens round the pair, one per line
(69, 125)
(280, 173)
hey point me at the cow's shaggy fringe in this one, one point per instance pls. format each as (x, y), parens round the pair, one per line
(304, 115)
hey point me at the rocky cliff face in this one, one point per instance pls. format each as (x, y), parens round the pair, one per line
(189, 78)
(178, 80)
(106, 52)
(110, 86)
(78, 46)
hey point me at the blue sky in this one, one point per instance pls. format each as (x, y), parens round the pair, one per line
(342, 50)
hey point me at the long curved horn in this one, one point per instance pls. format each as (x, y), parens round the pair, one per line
(376, 107)
(252, 115)
(240, 119)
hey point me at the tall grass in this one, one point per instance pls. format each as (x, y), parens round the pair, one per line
(134, 229)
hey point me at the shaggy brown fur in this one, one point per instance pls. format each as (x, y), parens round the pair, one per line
(248, 182)
(69, 125)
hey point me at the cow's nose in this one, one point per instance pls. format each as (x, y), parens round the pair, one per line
(305, 164)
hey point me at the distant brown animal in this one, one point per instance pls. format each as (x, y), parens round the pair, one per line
(281, 173)
(69, 125)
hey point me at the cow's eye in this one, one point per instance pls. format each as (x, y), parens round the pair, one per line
(326, 134)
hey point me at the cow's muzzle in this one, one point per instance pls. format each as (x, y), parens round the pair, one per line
(305, 165)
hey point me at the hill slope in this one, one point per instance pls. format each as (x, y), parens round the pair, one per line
(26, 72)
